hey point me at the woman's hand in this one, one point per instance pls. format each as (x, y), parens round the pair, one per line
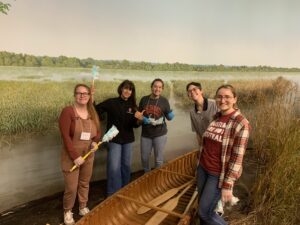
(139, 115)
(79, 161)
(93, 145)
(226, 195)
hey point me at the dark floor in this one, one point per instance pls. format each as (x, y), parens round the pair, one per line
(49, 210)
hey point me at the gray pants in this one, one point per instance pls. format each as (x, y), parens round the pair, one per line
(158, 144)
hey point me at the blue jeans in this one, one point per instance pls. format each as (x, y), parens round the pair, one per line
(158, 144)
(209, 194)
(118, 166)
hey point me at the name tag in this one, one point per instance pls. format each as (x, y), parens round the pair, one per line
(85, 136)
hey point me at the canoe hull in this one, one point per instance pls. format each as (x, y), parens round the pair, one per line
(121, 208)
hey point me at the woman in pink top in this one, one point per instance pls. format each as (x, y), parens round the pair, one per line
(79, 127)
(220, 165)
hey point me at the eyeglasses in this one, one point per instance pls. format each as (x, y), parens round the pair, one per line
(193, 90)
(82, 94)
(225, 97)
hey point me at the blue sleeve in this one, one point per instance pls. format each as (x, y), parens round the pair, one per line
(170, 115)
(168, 111)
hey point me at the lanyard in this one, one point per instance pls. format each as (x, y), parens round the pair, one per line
(153, 107)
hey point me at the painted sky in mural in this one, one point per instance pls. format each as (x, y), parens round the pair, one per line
(193, 31)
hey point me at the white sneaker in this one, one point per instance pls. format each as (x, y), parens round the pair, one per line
(84, 211)
(68, 218)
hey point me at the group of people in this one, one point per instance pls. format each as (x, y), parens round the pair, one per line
(80, 130)
(221, 130)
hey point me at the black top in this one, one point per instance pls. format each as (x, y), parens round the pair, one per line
(154, 108)
(121, 114)
(205, 105)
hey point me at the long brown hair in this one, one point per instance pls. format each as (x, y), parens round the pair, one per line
(90, 106)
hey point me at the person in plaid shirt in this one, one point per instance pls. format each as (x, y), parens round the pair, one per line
(220, 163)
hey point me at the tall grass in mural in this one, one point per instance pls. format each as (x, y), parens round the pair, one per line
(34, 107)
(276, 132)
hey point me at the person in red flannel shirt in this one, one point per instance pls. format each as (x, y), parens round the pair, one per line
(221, 156)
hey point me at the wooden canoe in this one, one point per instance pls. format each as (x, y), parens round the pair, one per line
(126, 207)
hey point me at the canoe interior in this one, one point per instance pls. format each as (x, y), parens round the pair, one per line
(119, 211)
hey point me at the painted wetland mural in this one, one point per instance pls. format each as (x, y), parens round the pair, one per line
(47, 48)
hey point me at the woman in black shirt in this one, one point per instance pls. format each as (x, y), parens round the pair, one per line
(120, 112)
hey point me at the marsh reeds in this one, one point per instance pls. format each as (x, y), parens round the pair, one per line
(276, 130)
(34, 107)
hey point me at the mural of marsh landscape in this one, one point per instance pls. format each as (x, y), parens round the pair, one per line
(47, 47)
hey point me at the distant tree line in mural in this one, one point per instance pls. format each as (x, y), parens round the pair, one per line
(13, 59)
(4, 7)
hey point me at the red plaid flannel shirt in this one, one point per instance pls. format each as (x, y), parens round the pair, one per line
(234, 143)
